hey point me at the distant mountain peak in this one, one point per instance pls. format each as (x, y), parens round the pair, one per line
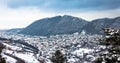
(67, 24)
(67, 16)
(55, 25)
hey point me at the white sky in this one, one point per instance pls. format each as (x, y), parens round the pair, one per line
(22, 17)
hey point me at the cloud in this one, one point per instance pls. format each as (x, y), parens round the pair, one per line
(21, 13)
(21, 17)
(62, 5)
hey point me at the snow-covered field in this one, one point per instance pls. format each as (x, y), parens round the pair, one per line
(12, 50)
(9, 59)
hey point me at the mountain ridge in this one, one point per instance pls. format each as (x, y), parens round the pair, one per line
(96, 26)
(55, 25)
(68, 24)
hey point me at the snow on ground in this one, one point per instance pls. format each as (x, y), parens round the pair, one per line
(12, 47)
(78, 48)
(28, 57)
(81, 51)
(8, 51)
(72, 60)
(9, 59)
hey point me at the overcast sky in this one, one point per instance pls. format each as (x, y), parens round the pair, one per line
(21, 13)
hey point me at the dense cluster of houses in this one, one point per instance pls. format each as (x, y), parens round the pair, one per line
(76, 47)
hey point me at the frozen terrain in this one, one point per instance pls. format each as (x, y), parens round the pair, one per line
(78, 48)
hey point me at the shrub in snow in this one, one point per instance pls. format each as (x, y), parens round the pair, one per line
(112, 38)
(2, 60)
(58, 57)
